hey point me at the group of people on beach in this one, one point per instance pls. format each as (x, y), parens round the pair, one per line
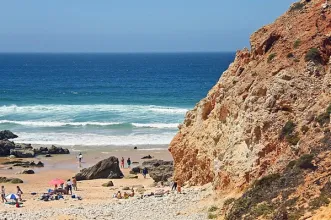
(128, 161)
(126, 195)
(19, 193)
(70, 184)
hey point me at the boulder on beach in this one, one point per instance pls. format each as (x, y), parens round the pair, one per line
(135, 170)
(52, 150)
(22, 153)
(105, 169)
(27, 172)
(5, 147)
(10, 180)
(6, 134)
(147, 157)
(108, 184)
(159, 170)
(131, 176)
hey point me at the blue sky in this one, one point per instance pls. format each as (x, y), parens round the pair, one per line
(132, 25)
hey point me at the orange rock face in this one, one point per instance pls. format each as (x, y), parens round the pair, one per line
(232, 136)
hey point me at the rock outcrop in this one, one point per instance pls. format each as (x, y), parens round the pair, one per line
(270, 107)
(52, 150)
(159, 170)
(5, 147)
(5, 135)
(105, 169)
(24, 150)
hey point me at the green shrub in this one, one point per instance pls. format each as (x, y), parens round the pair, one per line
(212, 216)
(304, 129)
(304, 161)
(271, 57)
(263, 209)
(290, 55)
(287, 129)
(297, 6)
(267, 180)
(322, 200)
(313, 55)
(212, 209)
(229, 201)
(293, 138)
(324, 118)
(297, 43)
(291, 164)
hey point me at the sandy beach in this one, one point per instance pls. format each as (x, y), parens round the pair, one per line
(93, 194)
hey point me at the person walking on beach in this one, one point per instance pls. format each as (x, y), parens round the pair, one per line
(145, 171)
(19, 193)
(122, 162)
(3, 194)
(129, 162)
(74, 183)
(174, 185)
(80, 157)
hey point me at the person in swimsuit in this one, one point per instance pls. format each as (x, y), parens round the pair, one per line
(122, 162)
(3, 194)
(19, 193)
(129, 162)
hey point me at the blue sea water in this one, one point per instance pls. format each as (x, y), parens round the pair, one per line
(103, 99)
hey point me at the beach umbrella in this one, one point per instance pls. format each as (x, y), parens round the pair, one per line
(56, 182)
(12, 196)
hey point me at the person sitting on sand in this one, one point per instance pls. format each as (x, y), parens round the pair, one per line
(132, 193)
(129, 162)
(19, 193)
(119, 195)
(3, 194)
(74, 183)
(125, 195)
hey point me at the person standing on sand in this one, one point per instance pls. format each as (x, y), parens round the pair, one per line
(145, 171)
(129, 162)
(74, 183)
(3, 194)
(80, 157)
(174, 185)
(69, 186)
(19, 193)
(122, 162)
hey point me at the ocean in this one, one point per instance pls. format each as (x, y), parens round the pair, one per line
(103, 99)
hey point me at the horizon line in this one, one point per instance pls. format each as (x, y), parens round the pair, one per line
(136, 52)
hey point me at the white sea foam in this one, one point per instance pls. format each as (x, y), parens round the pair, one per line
(88, 139)
(92, 123)
(42, 109)
(156, 125)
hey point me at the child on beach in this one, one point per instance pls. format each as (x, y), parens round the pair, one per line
(3, 194)
(19, 193)
(74, 183)
(122, 162)
(129, 162)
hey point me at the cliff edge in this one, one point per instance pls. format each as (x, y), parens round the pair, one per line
(272, 106)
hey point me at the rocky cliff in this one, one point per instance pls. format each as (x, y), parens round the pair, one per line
(270, 107)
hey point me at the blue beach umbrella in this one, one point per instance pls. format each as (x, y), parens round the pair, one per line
(12, 196)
